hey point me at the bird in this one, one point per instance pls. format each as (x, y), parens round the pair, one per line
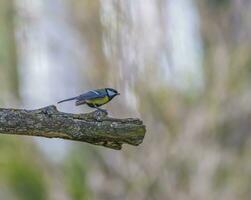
(94, 98)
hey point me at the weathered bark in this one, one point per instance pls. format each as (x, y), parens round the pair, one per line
(95, 127)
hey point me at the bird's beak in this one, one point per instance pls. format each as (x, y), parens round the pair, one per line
(118, 93)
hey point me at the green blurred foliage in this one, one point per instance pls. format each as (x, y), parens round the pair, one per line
(76, 169)
(26, 181)
(8, 59)
(21, 170)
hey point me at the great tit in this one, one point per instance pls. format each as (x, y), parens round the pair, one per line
(94, 98)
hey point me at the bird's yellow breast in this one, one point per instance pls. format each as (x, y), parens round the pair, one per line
(98, 101)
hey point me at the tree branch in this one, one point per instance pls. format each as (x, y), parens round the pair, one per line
(95, 127)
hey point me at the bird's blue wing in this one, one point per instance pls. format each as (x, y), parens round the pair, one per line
(92, 94)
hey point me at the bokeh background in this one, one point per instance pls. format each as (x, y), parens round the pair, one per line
(183, 66)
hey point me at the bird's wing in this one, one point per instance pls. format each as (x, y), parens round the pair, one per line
(92, 94)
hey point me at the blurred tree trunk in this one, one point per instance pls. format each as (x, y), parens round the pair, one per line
(8, 61)
(87, 18)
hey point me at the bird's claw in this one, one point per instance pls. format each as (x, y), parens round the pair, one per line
(102, 110)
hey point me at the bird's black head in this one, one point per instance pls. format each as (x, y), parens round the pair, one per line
(111, 92)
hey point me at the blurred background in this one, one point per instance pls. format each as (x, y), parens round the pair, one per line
(183, 67)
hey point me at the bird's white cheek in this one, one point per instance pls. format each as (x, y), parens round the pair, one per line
(111, 93)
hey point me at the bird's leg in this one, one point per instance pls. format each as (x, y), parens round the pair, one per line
(102, 110)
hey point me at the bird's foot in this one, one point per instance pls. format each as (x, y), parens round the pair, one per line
(100, 114)
(102, 110)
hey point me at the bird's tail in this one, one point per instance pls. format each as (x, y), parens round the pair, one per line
(67, 99)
